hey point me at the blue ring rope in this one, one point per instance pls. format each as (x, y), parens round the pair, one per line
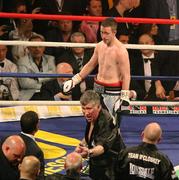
(46, 75)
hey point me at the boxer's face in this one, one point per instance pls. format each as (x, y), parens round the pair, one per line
(107, 35)
(91, 111)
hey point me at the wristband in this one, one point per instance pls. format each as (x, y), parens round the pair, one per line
(125, 94)
(76, 79)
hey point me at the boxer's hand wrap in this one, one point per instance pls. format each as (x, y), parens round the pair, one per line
(70, 84)
(122, 104)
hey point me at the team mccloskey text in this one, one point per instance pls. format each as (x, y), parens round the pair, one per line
(144, 158)
(140, 171)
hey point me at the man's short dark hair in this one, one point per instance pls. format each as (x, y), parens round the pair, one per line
(110, 22)
(29, 121)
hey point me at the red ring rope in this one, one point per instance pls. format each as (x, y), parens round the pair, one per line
(88, 18)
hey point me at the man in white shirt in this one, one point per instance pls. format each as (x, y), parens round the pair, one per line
(8, 85)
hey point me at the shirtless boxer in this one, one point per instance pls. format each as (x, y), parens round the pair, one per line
(113, 78)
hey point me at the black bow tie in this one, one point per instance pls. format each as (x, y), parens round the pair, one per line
(2, 64)
(148, 59)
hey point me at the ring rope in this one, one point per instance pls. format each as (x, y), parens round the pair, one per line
(46, 75)
(88, 18)
(77, 103)
(89, 45)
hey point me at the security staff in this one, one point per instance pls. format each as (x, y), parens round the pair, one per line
(145, 161)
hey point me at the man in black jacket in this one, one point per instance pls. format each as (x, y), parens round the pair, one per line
(52, 90)
(29, 122)
(102, 140)
(146, 64)
(145, 161)
(11, 153)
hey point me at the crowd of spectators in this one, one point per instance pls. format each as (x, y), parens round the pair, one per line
(60, 60)
(24, 59)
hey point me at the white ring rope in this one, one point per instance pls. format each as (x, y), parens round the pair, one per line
(89, 45)
(77, 103)
(85, 45)
(39, 103)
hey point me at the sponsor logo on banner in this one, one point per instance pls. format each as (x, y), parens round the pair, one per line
(138, 109)
(154, 109)
(165, 109)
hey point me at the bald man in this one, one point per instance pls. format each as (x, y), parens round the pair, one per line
(29, 168)
(145, 161)
(73, 166)
(52, 90)
(73, 162)
(11, 153)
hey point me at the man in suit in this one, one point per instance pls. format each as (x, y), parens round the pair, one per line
(169, 66)
(76, 7)
(145, 64)
(164, 9)
(35, 62)
(29, 122)
(78, 57)
(52, 90)
(12, 151)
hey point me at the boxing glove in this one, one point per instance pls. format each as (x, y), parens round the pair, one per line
(122, 104)
(70, 84)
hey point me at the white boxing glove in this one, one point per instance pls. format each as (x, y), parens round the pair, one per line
(122, 104)
(70, 84)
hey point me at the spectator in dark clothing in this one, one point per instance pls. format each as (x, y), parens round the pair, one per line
(73, 166)
(164, 9)
(11, 153)
(78, 57)
(146, 64)
(60, 33)
(29, 122)
(152, 30)
(145, 161)
(122, 8)
(29, 168)
(76, 7)
(52, 90)
(168, 65)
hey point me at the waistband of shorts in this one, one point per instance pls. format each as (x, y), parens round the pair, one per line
(110, 90)
(117, 84)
